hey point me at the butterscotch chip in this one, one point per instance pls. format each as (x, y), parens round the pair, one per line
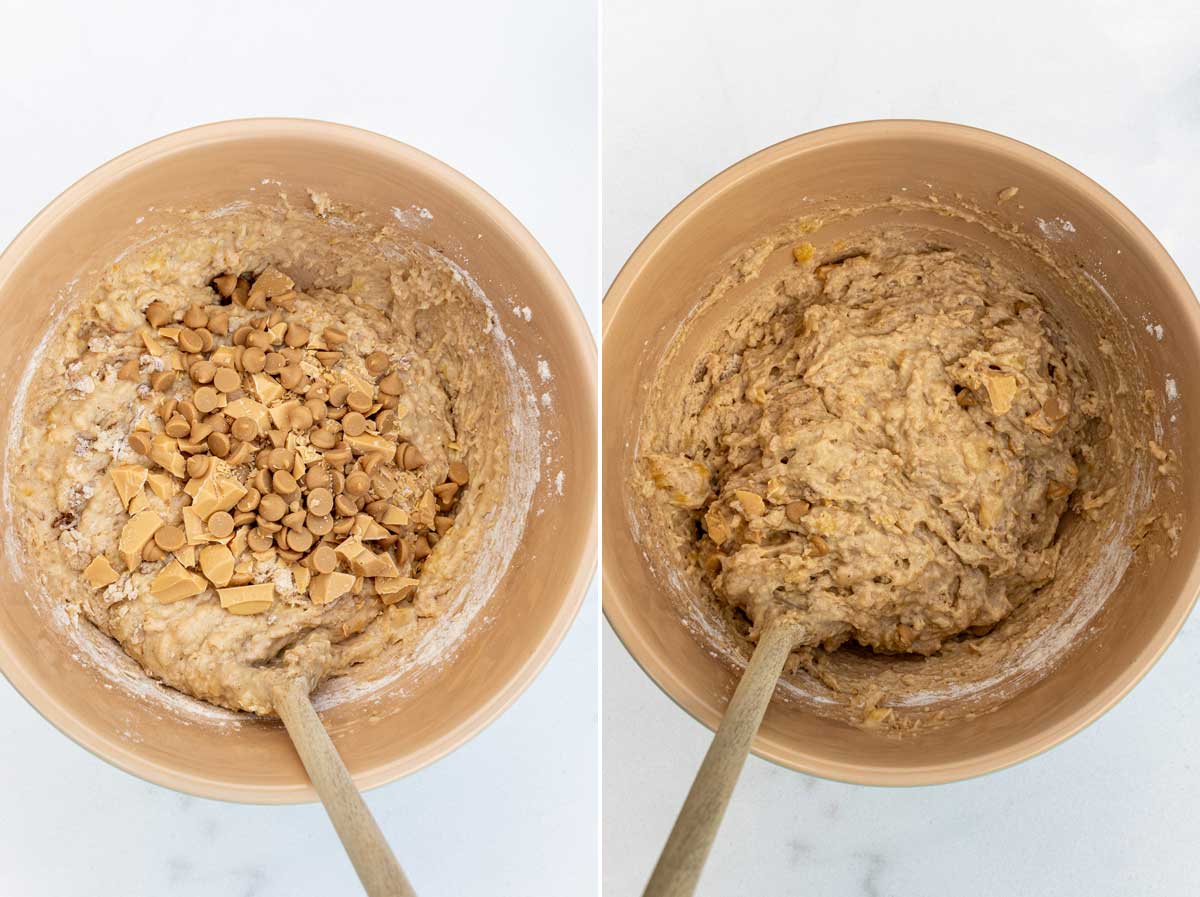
(390, 385)
(239, 454)
(819, 546)
(197, 467)
(190, 341)
(284, 483)
(202, 372)
(281, 459)
(177, 427)
(299, 539)
(241, 518)
(445, 493)
(130, 370)
(169, 538)
(220, 524)
(272, 507)
(333, 336)
(206, 340)
(317, 408)
(216, 561)
(227, 380)
(241, 291)
(157, 314)
(100, 573)
(338, 395)
(354, 424)
(224, 284)
(262, 477)
(259, 540)
(320, 501)
(421, 548)
(291, 376)
(319, 524)
(323, 439)
(413, 459)
(274, 363)
(140, 442)
(260, 340)
(162, 381)
(358, 483)
(458, 473)
(300, 418)
(389, 402)
(323, 559)
(239, 335)
(377, 363)
(205, 399)
(796, 510)
(254, 359)
(327, 358)
(195, 317)
(370, 461)
(219, 444)
(218, 323)
(338, 457)
(359, 401)
(167, 408)
(249, 501)
(344, 506)
(244, 428)
(297, 335)
(187, 411)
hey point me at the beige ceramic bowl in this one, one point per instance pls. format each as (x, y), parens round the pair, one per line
(408, 725)
(680, 259)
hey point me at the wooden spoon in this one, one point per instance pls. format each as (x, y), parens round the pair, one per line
(687, 848)
(373, 860)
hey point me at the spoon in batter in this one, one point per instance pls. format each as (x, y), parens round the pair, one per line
(682, 859)
(373, 860)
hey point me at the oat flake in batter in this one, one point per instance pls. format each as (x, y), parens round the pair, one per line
(882, 449)
(247, 481)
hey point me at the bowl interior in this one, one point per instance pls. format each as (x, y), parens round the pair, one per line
(868, 163)
(390, 732)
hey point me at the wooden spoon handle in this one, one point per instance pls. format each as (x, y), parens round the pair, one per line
(374, 861)
(687, 848)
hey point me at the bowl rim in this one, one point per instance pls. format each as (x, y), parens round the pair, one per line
(841, 134)
(583, 346)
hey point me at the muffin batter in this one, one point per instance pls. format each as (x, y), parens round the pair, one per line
(259, 450)
(881, 446)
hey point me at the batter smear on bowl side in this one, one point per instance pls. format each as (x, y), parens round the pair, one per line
(881, 446)
(268, 445)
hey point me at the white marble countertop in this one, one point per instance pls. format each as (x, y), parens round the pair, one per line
(507, 96)
(1113, 88)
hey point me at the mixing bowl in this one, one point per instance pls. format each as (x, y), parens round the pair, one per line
(1125, 606)
(381, 734)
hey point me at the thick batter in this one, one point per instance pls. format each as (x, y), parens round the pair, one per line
(882, 448)
(257, 452)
